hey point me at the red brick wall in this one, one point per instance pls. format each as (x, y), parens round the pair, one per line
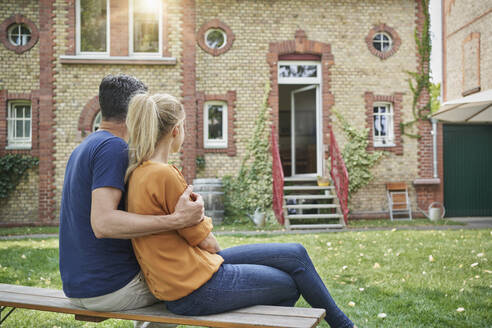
(427, 192)
(188, 89)
(88, 115)
(119, 18)
(46, 113)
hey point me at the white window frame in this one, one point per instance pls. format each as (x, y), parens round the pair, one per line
(389, 139)
(381, 43)
(78, 35)
(130, 33)
(18, 26)
(215, 143)
(13, 142)
(210, 30)
(300, 80)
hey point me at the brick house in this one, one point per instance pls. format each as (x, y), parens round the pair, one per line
(217, 56)
(467, 70)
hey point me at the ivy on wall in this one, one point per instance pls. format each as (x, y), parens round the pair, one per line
(419, 82)
(357, 159)
(12, 168)
(252, 187)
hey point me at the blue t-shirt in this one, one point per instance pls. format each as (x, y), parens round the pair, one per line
(89, 266)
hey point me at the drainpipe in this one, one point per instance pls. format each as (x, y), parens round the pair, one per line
(434, 146)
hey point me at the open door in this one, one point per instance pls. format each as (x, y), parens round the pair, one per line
(305, 131)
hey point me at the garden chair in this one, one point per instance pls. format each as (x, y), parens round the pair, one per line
(398, 201)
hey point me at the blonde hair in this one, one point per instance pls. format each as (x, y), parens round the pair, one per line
(150, 117)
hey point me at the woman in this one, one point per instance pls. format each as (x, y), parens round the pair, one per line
(186, 268)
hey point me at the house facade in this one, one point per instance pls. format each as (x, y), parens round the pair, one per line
(217, 56)
(467, 70)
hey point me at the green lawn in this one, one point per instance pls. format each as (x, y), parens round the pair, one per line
(417, 278)
(246, 225)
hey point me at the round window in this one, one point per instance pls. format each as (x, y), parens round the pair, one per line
(382, 42)
(97, 122)
(19, 34)
(215, 38)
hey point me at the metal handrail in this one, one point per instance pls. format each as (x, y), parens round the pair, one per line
(278, 180)
(339, 176)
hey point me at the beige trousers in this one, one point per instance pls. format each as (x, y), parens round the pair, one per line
(134, 295)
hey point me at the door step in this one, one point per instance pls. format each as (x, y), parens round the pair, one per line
(313, 216)
(311, 206)
(316, 226)
(294, 188)
(320, 196)
(296, 179)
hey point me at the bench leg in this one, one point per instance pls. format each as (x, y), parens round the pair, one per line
(9, 313)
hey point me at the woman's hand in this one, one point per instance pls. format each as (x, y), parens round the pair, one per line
(210, 244)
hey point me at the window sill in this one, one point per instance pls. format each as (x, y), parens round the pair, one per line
(18, 147)
(430, 181)
(385, 146)
(218, 147)
(117, 60)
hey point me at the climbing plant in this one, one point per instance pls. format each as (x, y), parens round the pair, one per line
(12, 168)
(252, 187)
(355, 155)
(419, 82)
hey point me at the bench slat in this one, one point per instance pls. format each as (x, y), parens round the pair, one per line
(284, 311)
(258, 316)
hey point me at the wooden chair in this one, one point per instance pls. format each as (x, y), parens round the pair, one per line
(398, 201)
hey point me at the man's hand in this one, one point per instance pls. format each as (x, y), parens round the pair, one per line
(210, 244)
(189, 209)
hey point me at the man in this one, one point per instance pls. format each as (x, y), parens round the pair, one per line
(98, 268)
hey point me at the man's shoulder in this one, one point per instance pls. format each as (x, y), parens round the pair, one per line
(102, 140)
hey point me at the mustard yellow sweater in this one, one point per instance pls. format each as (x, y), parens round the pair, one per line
(172, 263)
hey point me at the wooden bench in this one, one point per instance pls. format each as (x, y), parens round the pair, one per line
(44, 299)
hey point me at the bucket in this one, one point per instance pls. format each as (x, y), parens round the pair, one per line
(212, 193)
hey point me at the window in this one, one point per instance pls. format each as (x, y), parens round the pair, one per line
(382, 42)
(19, 34)
(215, 38)
(383, 131)
(299, 72)
(97, 122)
(19, 125)
(215, 124)
(145, 27)
(92, 26)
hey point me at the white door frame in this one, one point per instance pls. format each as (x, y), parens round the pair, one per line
(319, 135)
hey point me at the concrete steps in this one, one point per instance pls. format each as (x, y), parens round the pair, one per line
(309, 206)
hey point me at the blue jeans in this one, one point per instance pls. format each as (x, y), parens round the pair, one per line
(261, 274)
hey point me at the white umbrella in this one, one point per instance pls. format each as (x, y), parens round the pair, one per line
(473, 108)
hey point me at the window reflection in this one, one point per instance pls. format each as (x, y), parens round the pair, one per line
(93, 20)
(298, 71)
(145, 28)
(215, 120)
